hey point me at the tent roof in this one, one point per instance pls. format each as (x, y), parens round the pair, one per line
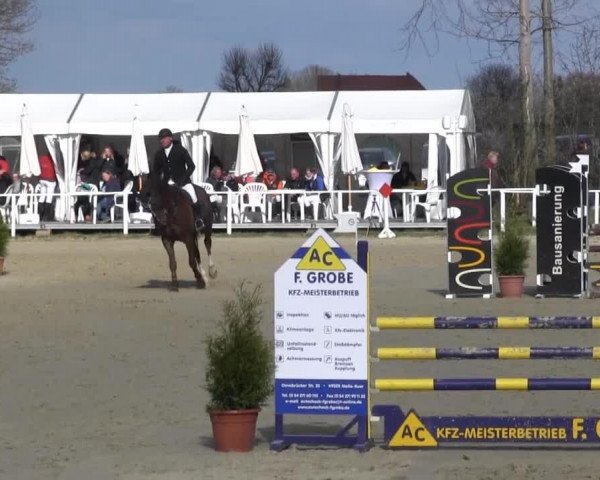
(402, 111)
(112, 114)
(49, 113)
(269, 112)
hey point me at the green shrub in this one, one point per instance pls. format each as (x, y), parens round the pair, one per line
(4, 238)
(512, 252)
(240, 368)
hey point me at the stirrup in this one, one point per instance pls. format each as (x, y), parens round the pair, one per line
(199, 224)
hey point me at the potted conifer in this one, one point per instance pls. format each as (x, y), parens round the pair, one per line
(4, 239)
(510, 258)
(239, 375)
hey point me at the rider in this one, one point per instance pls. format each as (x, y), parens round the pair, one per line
(175, 163)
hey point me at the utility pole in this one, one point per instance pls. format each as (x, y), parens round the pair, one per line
(549, 109)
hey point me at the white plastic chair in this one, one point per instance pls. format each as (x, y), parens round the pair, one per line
(93, 199)
(123, 197)
(432, 204)
(235, 204)
(6, 204)
(253, 196)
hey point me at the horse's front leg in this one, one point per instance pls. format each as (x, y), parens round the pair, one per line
(169, 247)
(194, 258)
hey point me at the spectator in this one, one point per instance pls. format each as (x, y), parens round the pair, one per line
(5, 176)
(272, 182)
(402, 179)
(47, 188)
(491, 163)
(109, 161)
(110, 185)
(91, 167)
(312, 183)
(294, 182)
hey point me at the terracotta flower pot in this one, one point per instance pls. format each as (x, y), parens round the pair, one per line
(235, 430)
(511, 285)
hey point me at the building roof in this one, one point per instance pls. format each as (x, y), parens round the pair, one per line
(368, 82)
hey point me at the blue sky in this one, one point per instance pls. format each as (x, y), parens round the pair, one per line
(145, 45)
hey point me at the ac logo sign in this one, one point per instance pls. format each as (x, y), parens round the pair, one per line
(412, 433)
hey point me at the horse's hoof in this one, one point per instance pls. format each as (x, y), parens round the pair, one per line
(212, 272)
(201, 286)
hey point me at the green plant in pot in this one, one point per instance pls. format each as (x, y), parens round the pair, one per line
(4, 239)
(510, 257)
(239, 375)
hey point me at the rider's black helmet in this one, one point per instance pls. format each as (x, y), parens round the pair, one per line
(165, 132)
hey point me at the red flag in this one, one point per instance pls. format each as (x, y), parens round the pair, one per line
(385, 190)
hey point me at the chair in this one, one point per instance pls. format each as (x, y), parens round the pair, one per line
(5, 204)
(85, 187)
(432, 204)
(124, 197)
(253, 196)
(235, 203)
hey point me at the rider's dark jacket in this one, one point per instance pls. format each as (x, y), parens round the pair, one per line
(177, 167)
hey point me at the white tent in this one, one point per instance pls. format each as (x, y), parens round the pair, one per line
(447, 113)
(49, 113)
(271, 112)
(441, 114)
(276, 113)
(111, 114)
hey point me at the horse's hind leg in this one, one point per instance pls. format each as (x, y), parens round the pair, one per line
(168, 244)
(212, 269)
(194, 259)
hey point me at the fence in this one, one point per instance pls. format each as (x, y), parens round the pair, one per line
(407, 202)
(409, 430)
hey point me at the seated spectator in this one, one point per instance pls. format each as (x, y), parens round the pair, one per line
(216, 179)
(110, 185)
(313, 183)
(90, 166)
(294, 182)
(5, 176)
(403, 179)
(108, 159)
(272, 182)
(47, 188)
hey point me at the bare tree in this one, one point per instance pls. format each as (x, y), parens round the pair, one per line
(261, 70)
(584, 52)
(306, 79)
(17, 17)
(495, 96)
(527, 106)
(503, 25)
(172, 89)
(549, 107)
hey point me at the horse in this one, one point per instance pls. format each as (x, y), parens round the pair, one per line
(174, 221)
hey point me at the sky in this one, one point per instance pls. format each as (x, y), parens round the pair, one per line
(143, 46)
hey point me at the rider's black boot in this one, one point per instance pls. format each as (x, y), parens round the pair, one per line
(198, 216)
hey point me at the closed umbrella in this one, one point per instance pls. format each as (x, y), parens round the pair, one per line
(247, 161)
(348, 150)
(29, 164)
(138, 157)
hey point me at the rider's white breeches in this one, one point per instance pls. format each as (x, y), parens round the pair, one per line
(189, 188)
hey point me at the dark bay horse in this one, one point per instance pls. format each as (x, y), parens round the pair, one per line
(174, 221)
